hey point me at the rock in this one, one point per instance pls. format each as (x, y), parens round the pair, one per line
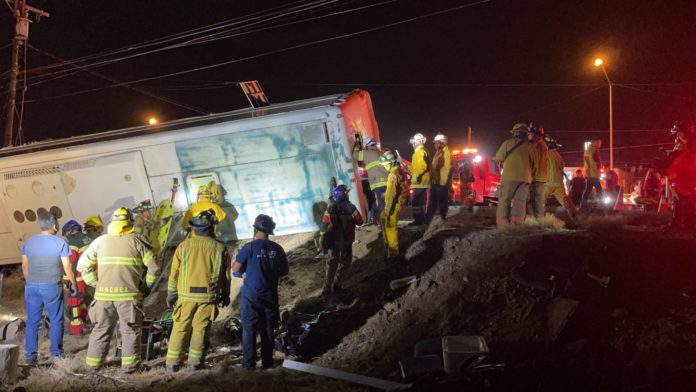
(9, 357)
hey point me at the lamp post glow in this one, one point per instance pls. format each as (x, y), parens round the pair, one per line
(600, 63)
(152, 121)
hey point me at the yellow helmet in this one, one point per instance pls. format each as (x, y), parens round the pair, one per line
(94, 221)
(204, 191)
(122, 215)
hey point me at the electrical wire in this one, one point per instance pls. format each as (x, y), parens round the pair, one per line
(623, 147)
(19, 138)
(136, 89)
(276, 51)
(644, 90)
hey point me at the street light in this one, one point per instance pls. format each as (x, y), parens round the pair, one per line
(152, 121)
(600, 63)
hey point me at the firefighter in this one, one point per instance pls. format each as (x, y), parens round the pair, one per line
(681, 175)
(338, 228)
(376, 175)
(121, 267)
(198, 283)
(262, 262)
(394, 200)
(76, 310)
(144, 224)
(592, 165)
(420, 178)
(206, 201)
(577, 187)
(466, 178)
(554, 186)
(519, 161)
(440, 178)
(537, 201)
(94, 227)
(359, 156)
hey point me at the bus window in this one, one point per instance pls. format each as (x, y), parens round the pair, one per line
(195, 181)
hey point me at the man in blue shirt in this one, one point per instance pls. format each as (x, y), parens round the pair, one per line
(45, 257)
(262, 262)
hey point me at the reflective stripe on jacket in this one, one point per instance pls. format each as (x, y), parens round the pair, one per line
(200, 268)
(376, 173)
(395, 194)
(592, 161)
(120, 267)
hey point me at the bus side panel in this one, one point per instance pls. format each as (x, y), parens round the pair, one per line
(281, 170)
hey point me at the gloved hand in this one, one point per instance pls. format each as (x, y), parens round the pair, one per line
(172, 296)
(224, 301)
(73, 290)
(237, 274)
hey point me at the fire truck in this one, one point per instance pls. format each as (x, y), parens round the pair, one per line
(486, 177)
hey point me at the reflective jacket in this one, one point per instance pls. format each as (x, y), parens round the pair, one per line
(592, 161)
(77, 243)
(200, 270)
(519, 160)
(441, 172)
(420, 167)
(556, 165)
(121, 267)
(376, 173)
(396, 193)
(340, 220)
(542, 173)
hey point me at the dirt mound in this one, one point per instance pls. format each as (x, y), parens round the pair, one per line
(641, 329)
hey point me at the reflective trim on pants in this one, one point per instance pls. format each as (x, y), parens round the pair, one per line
(192, 322)
(390, 232)
(104, 315)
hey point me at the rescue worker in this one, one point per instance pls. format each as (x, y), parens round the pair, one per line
(519, 161)
(376, 175)
(466, 178)
(554, 186)
(394, 200)
(681, 179)
(94, 227)
(440, 178)
(359, 156)
(76, 310)
(338, 228)
(205, 202)
(420, 178)
(592, 165)
(537, 201)
(577, 187)
(144, 224)
(262, 262)
(198, 283)
(121, 267)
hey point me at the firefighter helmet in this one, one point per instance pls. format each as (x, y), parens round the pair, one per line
(519, 128)
(71, 226)
(142, 206)
(369, 141)
(122, 214)
(204, 191)
(205, 218)
(264, 223)
(340, 193)
(94, 221)
(387, 158)
(418, 139)
(552, 143)
(440, 138)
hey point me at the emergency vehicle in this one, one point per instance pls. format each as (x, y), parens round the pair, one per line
(486, 173)
(277, 160)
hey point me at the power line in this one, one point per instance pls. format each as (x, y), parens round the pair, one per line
(624, 147)
(268, 53)
(644, 90)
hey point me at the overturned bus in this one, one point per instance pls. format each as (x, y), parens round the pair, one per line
(277, 160)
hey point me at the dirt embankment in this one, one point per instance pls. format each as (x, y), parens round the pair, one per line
(639, 331)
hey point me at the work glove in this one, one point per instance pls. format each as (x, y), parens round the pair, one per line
(224, 301)
(172, 296)
(73, 290)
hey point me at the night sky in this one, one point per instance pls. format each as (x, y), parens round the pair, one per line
(486, 66)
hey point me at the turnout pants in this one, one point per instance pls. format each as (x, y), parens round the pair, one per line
(437, 202)
(390, 232)
(537, 199)
(592, 182)
(258, 316)
(558, 191)
(369, 198)
(192, 322)
(512, 202)
(76, 309)
(418, 205)
(104, 315)
(339, 261)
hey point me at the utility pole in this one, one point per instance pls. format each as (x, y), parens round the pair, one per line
(468, 139)
(21, 12)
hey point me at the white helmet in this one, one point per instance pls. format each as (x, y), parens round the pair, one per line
(369, 141)
(440, 138)
(418, 139)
